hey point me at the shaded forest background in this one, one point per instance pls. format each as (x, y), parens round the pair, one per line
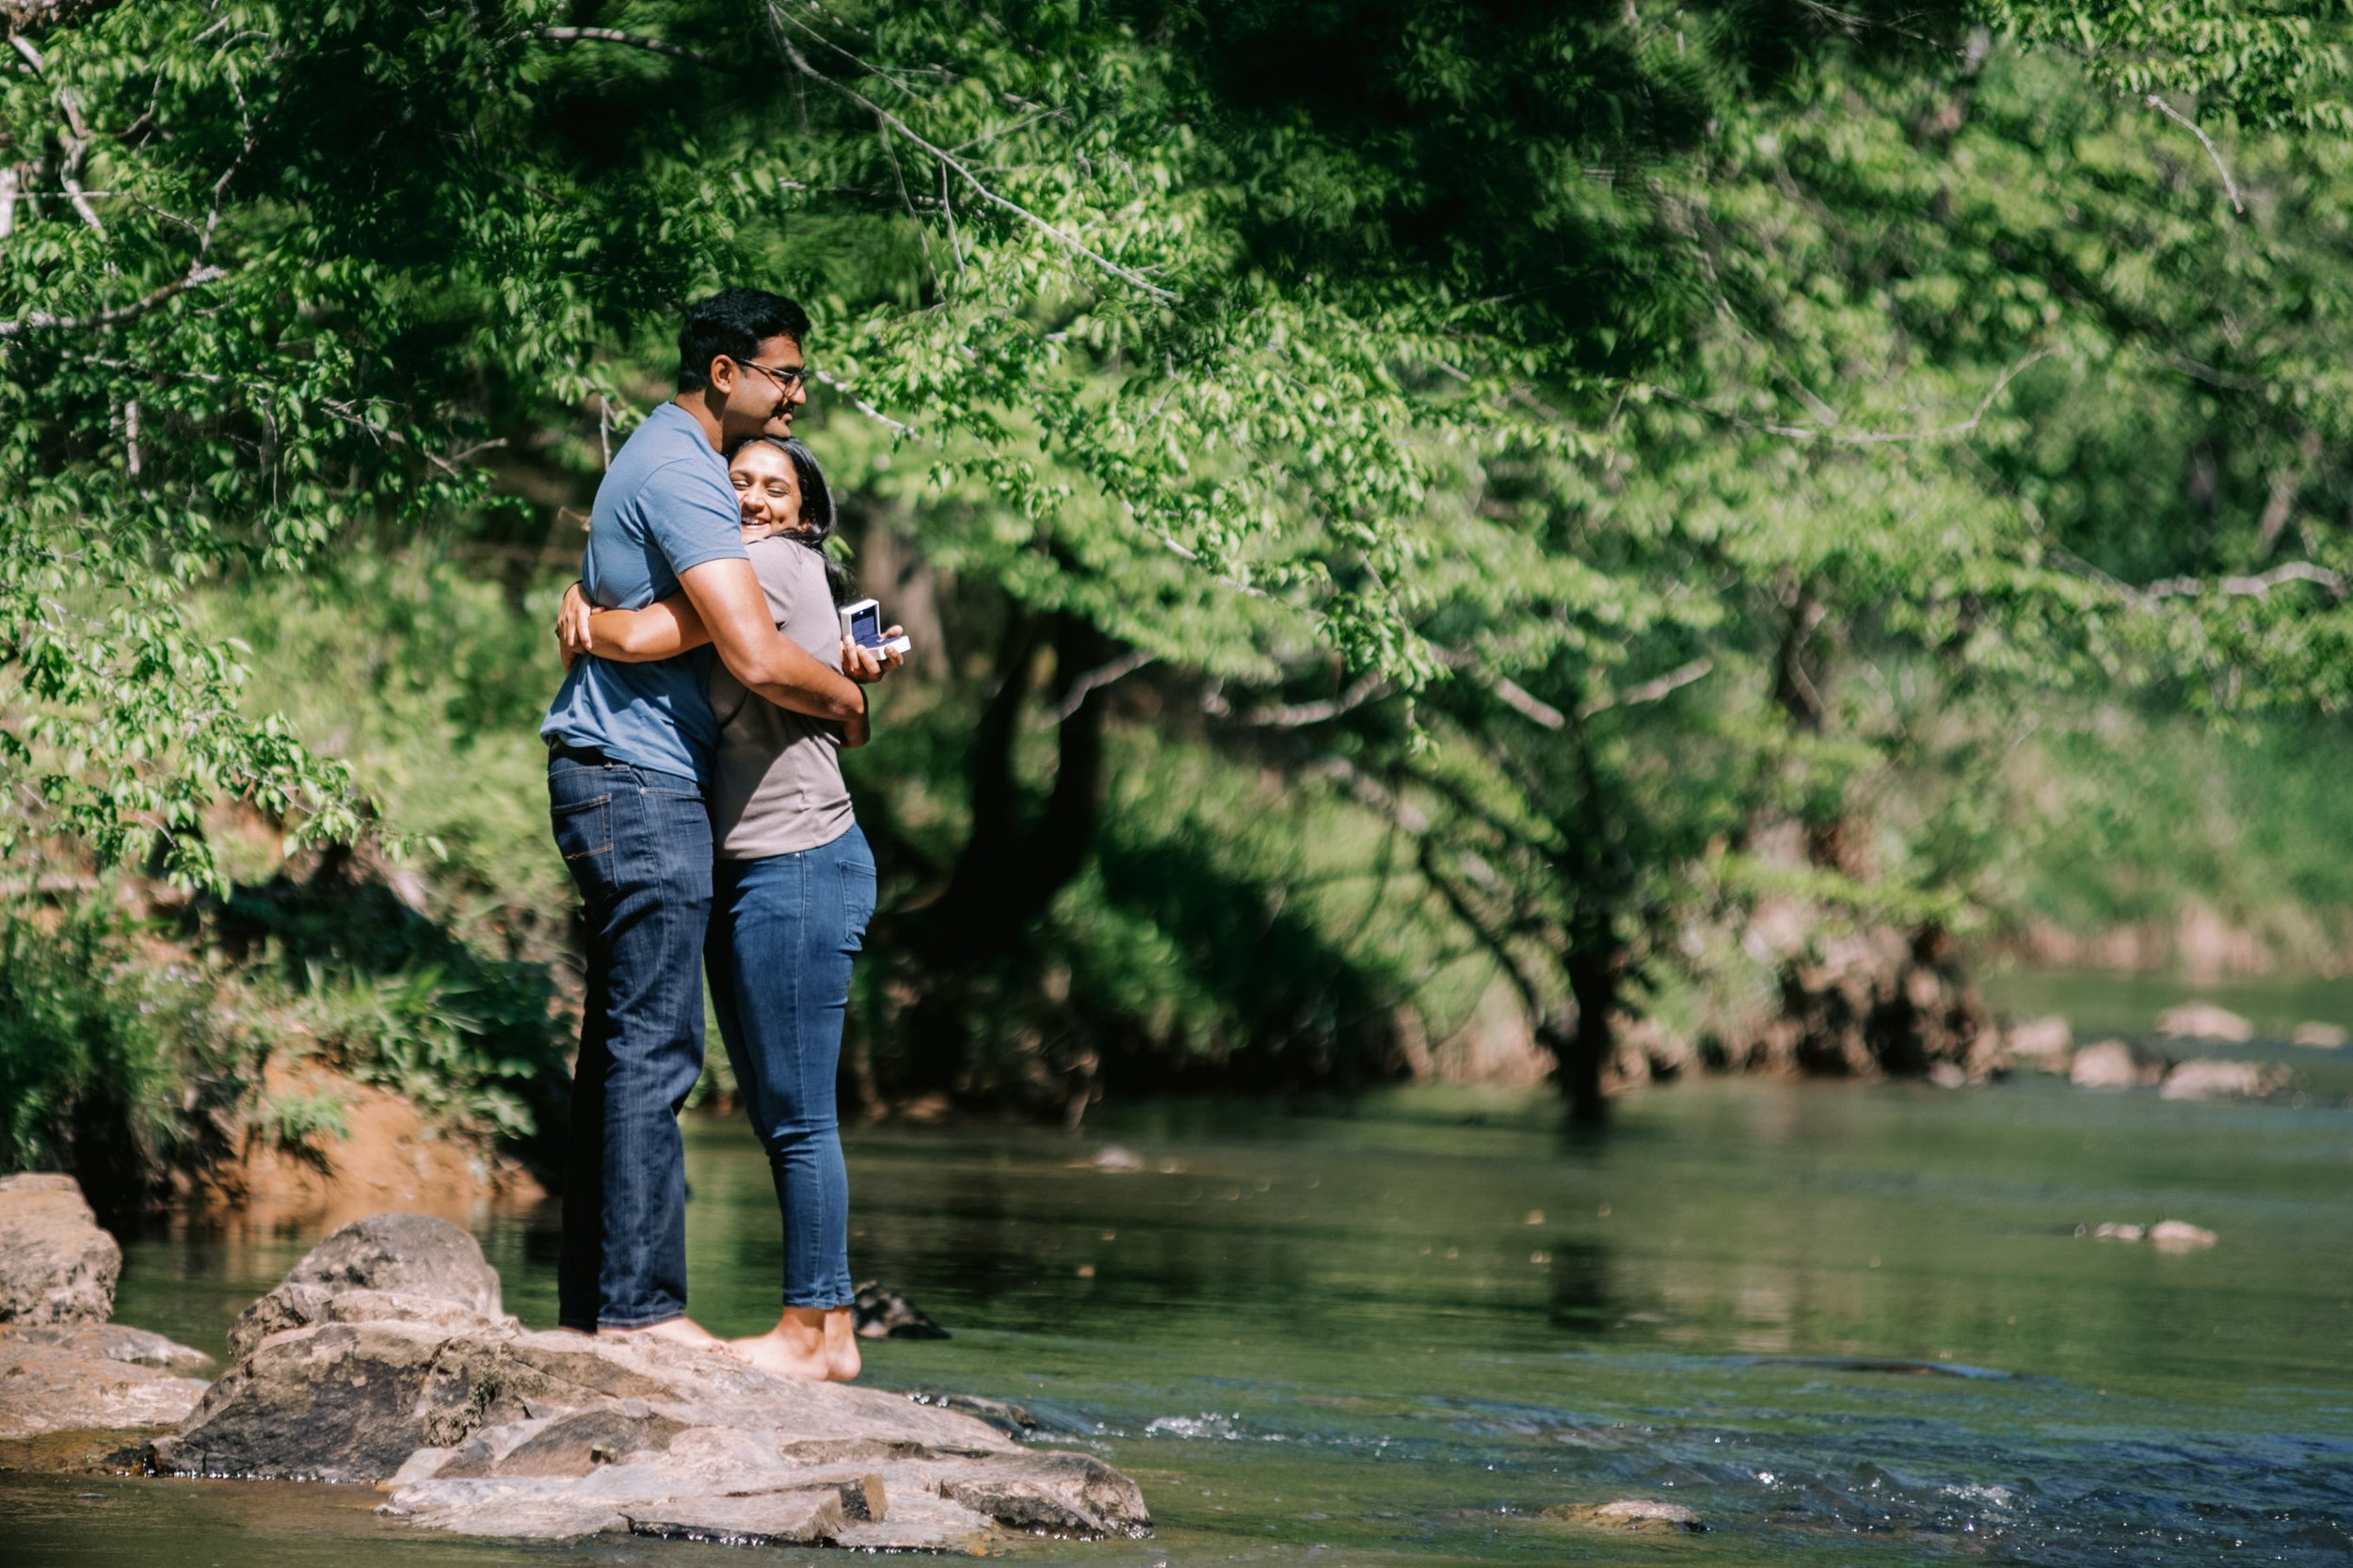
(1441, 541)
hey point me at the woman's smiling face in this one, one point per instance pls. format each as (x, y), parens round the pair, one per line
(768, 488)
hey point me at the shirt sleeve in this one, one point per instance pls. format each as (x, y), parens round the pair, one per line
(691, 516)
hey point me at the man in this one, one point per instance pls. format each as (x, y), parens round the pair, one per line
(630, 751)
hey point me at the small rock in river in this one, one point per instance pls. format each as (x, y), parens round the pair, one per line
(1112, 1157)
(2319, 1037)
(2180, 1234)
(881, 1314)
(1628, 1513)
(2041, 1042)
(2206, 1081)
(2111, 1231)
(2203, 1020)
(2108, 1065)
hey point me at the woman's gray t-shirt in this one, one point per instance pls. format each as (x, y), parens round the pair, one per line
(778, 787)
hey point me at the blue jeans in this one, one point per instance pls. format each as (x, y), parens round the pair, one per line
(787, 930)
(638, 845)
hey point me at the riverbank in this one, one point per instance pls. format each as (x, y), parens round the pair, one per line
(1399, 1327)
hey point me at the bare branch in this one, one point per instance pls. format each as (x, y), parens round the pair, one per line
(2257, 586)
(779, 21)
(2229, 186)
(1650, 690)
(867, 409)
(629, 40)
(115, 315)
(1514, 696)
(1295, 716)
(1097, 678)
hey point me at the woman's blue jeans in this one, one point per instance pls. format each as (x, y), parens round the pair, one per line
(638, 845)
(783, 936)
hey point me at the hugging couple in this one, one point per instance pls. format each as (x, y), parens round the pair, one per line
(694, 785)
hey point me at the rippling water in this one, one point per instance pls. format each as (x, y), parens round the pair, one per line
(1845, 1324)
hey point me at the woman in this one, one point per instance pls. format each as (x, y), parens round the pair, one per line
(793, 885)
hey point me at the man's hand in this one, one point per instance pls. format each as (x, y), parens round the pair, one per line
(571, 624)
(867, 665)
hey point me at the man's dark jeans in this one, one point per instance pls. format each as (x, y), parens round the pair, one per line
(638, 845)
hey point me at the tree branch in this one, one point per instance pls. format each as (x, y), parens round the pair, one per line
(778, 22)
(196, 277)
(2229, 186)
(1513, 694)
(2257, 586)
(629, 41)
(1099, 677)
(1650, 690)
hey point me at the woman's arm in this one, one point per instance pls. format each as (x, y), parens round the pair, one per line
(661, 629)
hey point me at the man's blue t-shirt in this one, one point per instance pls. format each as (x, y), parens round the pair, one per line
(664, 507)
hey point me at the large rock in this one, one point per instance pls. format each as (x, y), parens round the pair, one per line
(481, 1427)
(73, 1377)
(405, 1267)
(55, 1265)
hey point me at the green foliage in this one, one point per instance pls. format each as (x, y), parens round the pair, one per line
(471, 1051)
(112, 1066)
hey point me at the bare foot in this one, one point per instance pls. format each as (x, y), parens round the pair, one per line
(676, 1330)
(841, 1357)
(790, 1349)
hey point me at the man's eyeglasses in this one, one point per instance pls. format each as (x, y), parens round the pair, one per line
(787, 378)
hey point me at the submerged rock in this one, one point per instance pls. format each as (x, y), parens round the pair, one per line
(881, 1314)
(479, 1426)
(2172, 1235)
(2203, 1020)
(2207, 1080)
(1629, 1514)
(2319, 1037)
(55, 1265)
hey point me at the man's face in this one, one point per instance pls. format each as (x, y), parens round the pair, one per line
(759, 402)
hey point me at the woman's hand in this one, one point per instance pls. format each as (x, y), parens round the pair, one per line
(571, 624)
(867, 665)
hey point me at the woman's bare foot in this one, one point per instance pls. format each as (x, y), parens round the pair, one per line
(676, 1330)
(841, 1357)
(795, 1347)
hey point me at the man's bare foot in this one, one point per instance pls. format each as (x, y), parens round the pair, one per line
(676, 1330)
(795, 1347)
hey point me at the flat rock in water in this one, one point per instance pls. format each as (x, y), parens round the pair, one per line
(2203, 1020)
(2208, 1080)
(77, 1377)
(481, 1427)
(1629, 1514)
(55, 1265)
(2319, 1037)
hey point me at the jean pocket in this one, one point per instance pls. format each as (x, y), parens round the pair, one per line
(857, 896)
(584, 828)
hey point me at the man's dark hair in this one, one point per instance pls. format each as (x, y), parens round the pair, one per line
(732, 322)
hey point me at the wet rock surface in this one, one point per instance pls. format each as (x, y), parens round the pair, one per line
(369, 1366)
(1629, 1514)
(2209, 1081)
(55, 1265)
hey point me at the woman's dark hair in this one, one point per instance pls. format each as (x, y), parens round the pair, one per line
(817, 514)
(732, 322)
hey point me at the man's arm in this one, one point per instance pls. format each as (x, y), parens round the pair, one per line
(662, 629)
(725, 595)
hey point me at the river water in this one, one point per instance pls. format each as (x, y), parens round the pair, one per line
(1847, 1324)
